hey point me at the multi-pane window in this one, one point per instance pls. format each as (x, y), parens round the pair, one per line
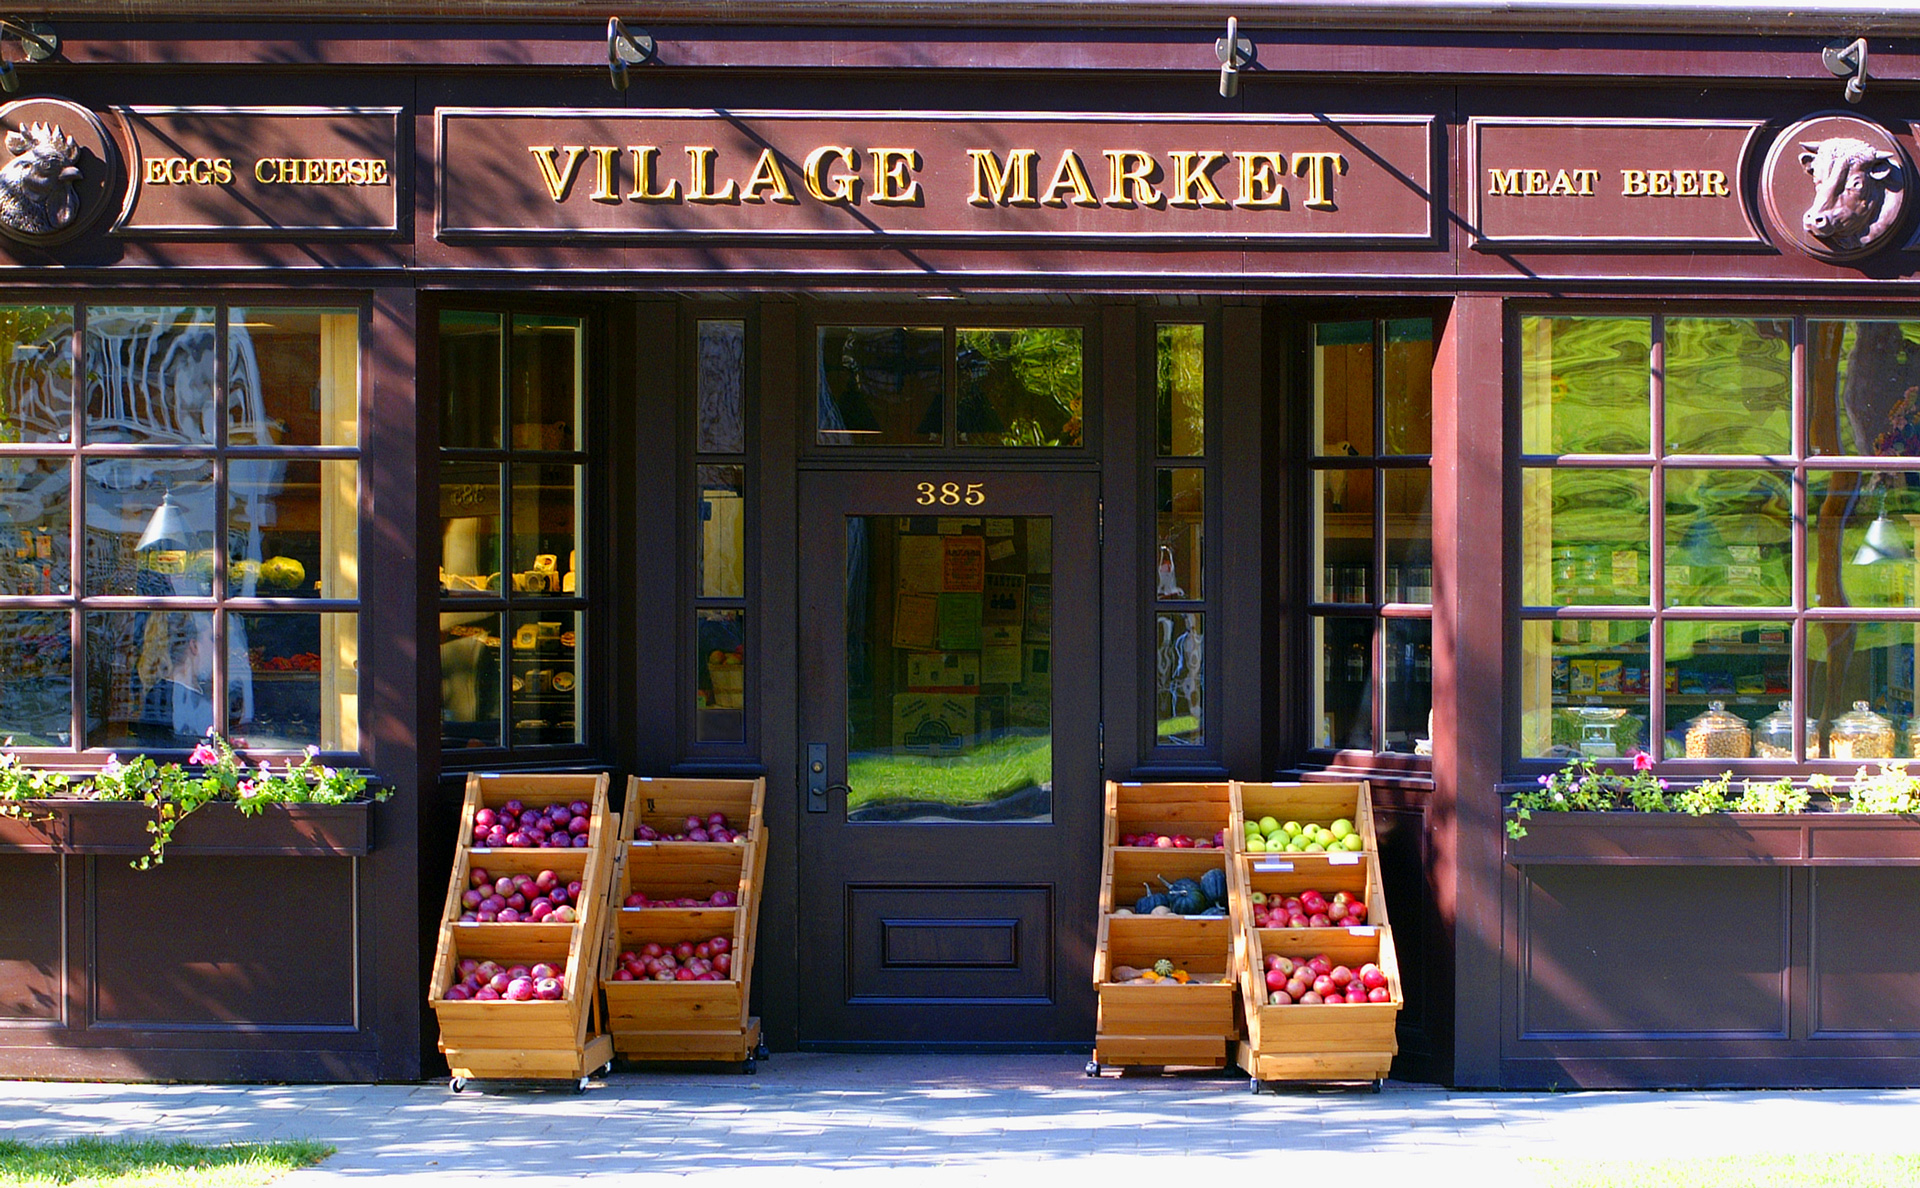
(1181, 597)
(513, 472)
(1372, 571)
(179, 526)
(1717, 540)
(966, 386)
(720, 537)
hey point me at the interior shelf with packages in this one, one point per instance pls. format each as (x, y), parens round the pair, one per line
(1160, 963)
(516, 970)
(678, 972)
(1320, 981)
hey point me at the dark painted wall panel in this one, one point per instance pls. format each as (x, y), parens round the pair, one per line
(30, 966)
(1865, 951)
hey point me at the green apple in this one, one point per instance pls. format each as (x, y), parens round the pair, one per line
(1315, 848)
(1352, 842)
(1256, 844)
(1268, 824)
(1342, 827)
(1259, 897)
(1293, 828)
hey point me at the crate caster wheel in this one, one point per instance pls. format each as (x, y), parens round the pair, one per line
(1093, 1068)
(1379, 1083)
(760, 1050)
(749, 1066)
(1254, 1085)
(457, 1084)
(581, 1087)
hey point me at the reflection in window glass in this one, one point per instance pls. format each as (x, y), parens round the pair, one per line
(36, 373)
(1180, 515)
(36, 512)
(150, 527)
(1343, 683)
(1741, 669)
(723, 527)
(1409, 673)
(470, 357)
(1180, 354)
(1860, 538)
(293, 377)
(150, 677)
(1343, 388)
(722, 386)
(1586, 534)
(1728, 538)
(881, 385)
(1019, 387)
(546, 515)
(1861, 393)
(292, 529)
(1728, 386)
(469, 528)
(470, 693)
(721, 645)
(297, 681)
(543, 384)
(36, 678)
(1871, 662)
(150, 375)
(1585, 386)
(1344, 505)
(1180, 685)
(544, 677)
(1585, 688)
(1408, 386)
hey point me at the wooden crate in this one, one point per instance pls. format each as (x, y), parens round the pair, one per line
(528, 1040)
(687, 1020)
(1317, 1042)
(1191, 1025)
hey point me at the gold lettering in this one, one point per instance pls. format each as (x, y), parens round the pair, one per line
(177, 171)
(223, 171)
(1260, 175)
(559, 178)
(1191, 172)
(1686, 183)
(1069, 174)
(1503, 183)
(991, 182)
(1130, 178)
(603, 190)
(377, 173)
(767, 175)
(263, 171)
(1713, 184)
(1633, 183)
(337, 171)
(1318, 169)
(1562, 185)
(700, 184)
(893, 181)
(1660, 183)
(1586, 178)
(201, 171)
(156, 170)
(645, 156)
(1536, 182)
(357, 172)
(841, 187)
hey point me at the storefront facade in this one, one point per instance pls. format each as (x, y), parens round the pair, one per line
(940, 415)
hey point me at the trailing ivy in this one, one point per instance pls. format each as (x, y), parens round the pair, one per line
(1583, 786)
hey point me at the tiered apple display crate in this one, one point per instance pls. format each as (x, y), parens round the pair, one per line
(557, 1039)
(1162, 1021)
(687, 1019)
(1312, 1041)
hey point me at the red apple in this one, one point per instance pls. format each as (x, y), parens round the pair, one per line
(1379, 994)
(1341, 976)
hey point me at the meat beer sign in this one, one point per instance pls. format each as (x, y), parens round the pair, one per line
(697, 174)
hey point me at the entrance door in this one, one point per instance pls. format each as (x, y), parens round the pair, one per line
(950, 850)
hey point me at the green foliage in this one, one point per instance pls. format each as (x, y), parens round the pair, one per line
(175, 793)
(1892, 789)
(1708, 796)
(1772, 796)
(1583, 786)
(154, 1163)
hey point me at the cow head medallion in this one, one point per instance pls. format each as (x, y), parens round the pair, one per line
(1836, 187)
(56, 170)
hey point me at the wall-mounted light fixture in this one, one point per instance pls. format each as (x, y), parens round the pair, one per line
(1848, 60)
(38, 42)
(1234, 52)
(626, 48)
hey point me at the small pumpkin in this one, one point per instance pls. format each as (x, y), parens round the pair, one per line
(1163, 967)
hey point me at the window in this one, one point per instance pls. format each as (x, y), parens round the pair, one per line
(720, 537)
(513, 472)
(1181, 597)
(1717, 544)
(179, 526)
(1007, 387)
(1372, 490)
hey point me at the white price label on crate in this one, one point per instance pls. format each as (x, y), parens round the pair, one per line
(1343, 859)
(1270, 866)
(1363, 930)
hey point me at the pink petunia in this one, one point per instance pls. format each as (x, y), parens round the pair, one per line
(1642, 761)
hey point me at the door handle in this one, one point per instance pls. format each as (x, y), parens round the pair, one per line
(817, 782)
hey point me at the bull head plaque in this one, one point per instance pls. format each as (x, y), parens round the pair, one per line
(1835, 187)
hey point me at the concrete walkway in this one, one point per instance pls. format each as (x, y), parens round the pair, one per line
(908, 1120)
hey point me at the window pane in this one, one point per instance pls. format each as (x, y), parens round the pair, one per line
(293, 377)
(723, 532)
(470, 356)
(1860, 538)
(1343, 388)
(546, 515)
(1584, 386)
(36, 678)
(1848, 663)
(1180, 354)
(1585, 687)
(721, 644)
(881, 385)
(1729, 538)
(1409, 685)
(149, 527)
(1728, 386)
(36, 401)
(1180, 686)
(1409, 386)
(1861, 395)
(1019, 387)
(1409, 536)
(294, 681)
(470, 680)
(1343, 683)
(722, 387)
(150, 375)
(1744, 667)
(292, 529)
(36, 514)
(150, 678)
(469, 528)
(1585, 537)
(543, 384)
(1180, 501)
(545, 678)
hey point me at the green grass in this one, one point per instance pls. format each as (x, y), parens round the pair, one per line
(153, 1163)
(1820, 1170)
(983, 774)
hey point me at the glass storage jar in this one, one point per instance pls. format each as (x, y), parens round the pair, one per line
(1718, 734)
(1773, 735)
(1860, 734)
(1601, 729)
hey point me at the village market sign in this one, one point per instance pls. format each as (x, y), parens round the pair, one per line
(639, 175)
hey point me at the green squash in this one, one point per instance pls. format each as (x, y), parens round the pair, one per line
(1186, 898)
(1152, 899)
(1214, 883)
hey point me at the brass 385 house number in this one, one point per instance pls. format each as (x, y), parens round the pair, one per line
(950, 494)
